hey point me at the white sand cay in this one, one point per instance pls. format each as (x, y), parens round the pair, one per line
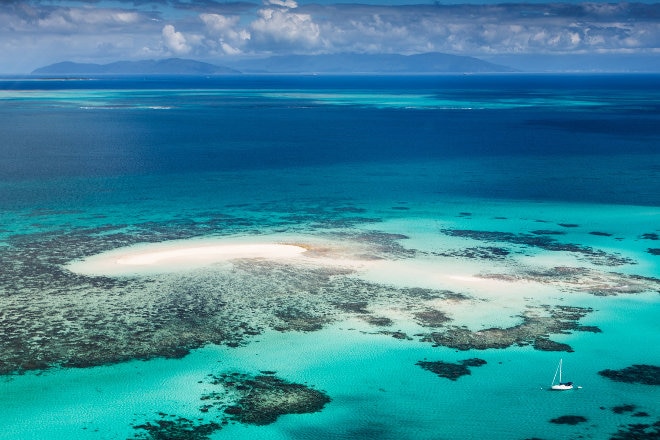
(213, 253)
(179, 256)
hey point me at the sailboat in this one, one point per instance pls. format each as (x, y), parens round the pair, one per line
(561, 386)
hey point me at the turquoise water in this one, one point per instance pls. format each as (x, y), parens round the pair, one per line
(469, 202)
(377, 390)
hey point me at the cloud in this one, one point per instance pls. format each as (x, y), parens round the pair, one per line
(488, 29)
(277, 28)
(284, 3)
(208, 29)
(175, 41)
(83, 19)
(226, 32)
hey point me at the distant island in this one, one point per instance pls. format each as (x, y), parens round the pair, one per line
(432, 62)
(170, 66)
(291, 64)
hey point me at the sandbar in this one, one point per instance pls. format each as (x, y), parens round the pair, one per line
(177, 256)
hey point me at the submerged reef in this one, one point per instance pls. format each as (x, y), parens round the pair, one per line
(638, 431)
(262, 399)
(600, 233)
(449, 370)
(243, 398)
(580, 279)
(50, 316)
(568, 420)
(622, 409)
(535, 329)
(594, 256)
(642, 374)
(476, 253)
(175, 428)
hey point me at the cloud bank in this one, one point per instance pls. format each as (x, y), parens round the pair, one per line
(41, 32)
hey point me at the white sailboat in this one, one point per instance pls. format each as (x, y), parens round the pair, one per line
(560, 386)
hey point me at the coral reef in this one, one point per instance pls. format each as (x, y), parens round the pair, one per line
(638, 431)
(533, 330)
(263, 398)
(580, 279)
(257, 400)
(642, 374)
(175, 428)
(568, 420)
(451, 371)
(594, 256)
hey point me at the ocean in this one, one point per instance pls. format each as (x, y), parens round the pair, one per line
(460, 234)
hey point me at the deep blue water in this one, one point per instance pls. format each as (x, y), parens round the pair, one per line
(523, 130)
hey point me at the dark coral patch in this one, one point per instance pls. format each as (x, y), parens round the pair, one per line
(581, 279)
(568, 420)
(359, 307)
(175, 428)
(379, 321)
(547, 232)
(396, 335)
(638, 431)
(533, 330)
(431, 318)
(600, 234)
(639, 373)
(449, 370)
(476, 253)
(621, 409)
(650, 236)
(653, 251)
(595, 256)
(262, 399)
(299, 320)
(351, 209)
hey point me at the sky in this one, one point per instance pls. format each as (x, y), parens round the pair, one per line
(34, 33)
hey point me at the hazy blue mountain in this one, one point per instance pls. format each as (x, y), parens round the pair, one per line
(334, 63)
(369, 63)
(615, 63)
(170, 66)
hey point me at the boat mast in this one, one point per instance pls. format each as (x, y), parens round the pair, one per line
(558, 370)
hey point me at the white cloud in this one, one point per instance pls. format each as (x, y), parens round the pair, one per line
(102, 17)
(284, 3)
(175, 41)
(225, 32)
(91, 32)
(229, 50)
(276, 27)
(218, 23)
(85, 19)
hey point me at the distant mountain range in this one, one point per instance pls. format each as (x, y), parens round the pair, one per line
(369, 63)
(170, 66)
(335, 63)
